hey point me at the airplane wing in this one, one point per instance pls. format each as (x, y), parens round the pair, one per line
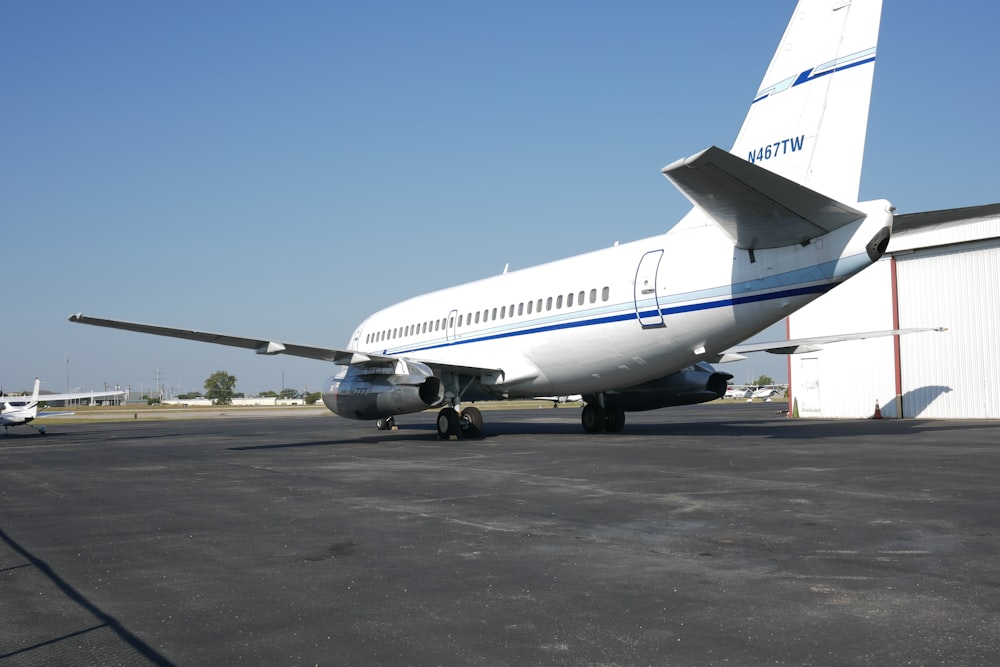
(271, 347)
(800, 345)
(63, 397)
(754, 206)
(78, 395)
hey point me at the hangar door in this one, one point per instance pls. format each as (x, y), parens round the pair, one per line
(955, 374)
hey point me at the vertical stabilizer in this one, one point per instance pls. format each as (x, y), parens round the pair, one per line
(34, 394)
(808, 120)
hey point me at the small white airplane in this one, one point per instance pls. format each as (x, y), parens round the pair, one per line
(22, 410)
(764, 393)
(737, 391)
(775, 224)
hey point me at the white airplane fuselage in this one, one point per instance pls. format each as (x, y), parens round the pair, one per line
(651, 307)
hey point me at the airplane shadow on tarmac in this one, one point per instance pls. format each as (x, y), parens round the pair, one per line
(761, 424)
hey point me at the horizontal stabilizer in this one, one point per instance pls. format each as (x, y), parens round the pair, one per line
(754, 206)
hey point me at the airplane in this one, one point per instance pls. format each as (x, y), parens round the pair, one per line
(764, 393)
(22, 410)
(775, 224)
(737, 391)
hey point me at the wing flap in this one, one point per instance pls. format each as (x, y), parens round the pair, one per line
(754, 206)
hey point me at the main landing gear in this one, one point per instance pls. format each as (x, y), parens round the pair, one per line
(597, 418)
(465, 424)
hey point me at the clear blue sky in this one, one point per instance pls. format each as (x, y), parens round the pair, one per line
(283, 169)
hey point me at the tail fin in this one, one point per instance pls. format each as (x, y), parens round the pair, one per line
(34, 394)
(808, 120)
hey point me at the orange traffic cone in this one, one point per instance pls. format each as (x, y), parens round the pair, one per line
(878, 412)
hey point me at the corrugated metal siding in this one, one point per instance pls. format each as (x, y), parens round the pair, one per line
(846, 379)
(955, 374)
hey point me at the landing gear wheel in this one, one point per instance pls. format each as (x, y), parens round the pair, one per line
(385, 424)
(471, 423)
(614, 419)
(448, 423)
(593, 418)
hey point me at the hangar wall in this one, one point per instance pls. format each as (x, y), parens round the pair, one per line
(943, 275)
(954, 374)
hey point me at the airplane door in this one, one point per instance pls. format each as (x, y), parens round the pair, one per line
(647, 303)
(451, 325)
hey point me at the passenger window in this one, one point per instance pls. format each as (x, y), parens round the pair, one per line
(494, 314)
(569, 300)
(477, 317)
(559, 302)
(451, 321)
(520, 309)
(548, 303)
(530, 305)
(593, 296)
(605, 293)
(459, 320)
(538, 306)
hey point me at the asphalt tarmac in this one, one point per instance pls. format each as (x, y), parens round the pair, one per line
(710, 535)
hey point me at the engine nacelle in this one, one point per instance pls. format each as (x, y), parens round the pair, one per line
(358, 392)
(695, 384)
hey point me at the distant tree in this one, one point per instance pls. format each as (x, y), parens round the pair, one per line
(188, 396)
(268, 394)
(764, 380)
(219, 387)
(313, 398)
(289, 393)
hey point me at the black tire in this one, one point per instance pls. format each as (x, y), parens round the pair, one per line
(472, 423)
(593, 418)
(448, 423)
(614, 419)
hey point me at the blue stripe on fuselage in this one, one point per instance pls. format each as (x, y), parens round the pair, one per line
(629, 314)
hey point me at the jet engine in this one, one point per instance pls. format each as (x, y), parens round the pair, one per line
(695, 384)
(361, 392)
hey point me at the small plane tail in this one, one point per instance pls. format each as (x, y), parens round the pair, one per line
(809, 117)
(34, 394)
